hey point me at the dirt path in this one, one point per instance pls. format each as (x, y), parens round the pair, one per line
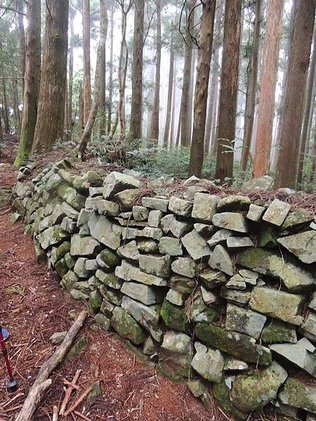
(33, 307)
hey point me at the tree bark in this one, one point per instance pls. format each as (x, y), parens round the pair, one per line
(5, 111)
(201, 87)
(51, 104)
(307, 113)
(109, 122)
(69, 116)
(251, 89)
(292, 118)
(86, 58)
(137, 71)
(267, 90)
(228, 92)
(20, 10)
(104, 31)
(154, 126)
(170, 93)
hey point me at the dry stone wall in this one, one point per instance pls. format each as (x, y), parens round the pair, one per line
(218, 291)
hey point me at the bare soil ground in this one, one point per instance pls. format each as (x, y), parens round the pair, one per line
(33, 307)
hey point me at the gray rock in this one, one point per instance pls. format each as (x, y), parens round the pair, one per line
(239, 297)
(129, 272)
(147, 316)
(197, 387)
(212, 279)
(205, 230)
(149, 346)
(57, 337)
(239, 242)
(196, 246)
(91, 265)
(221, 260)
(78, 295)
(154, 218)
(184, 266)
(116, 182)
(84, 246)
(179, 206)
(244, 321)
(80, 269)
(70, 211)
(105, 232)
(277, 212)
(171, 246)
(127, 198)
(176, 354)
(204, 206)
(232, 364)
(278, 304)
(69, 280)
(208, 363)
(264, 183)
(278, 332)
(148, 232)
(312, 303)
(313, 225)
(103, 321)
(155, 265)
(309, 326)
(129, 251)
(198, 311)
(83, 218)
(230, 220)
(254, 391)
(140, 213)
(182, 284)
(109, 279)
(68, 225)
(219, 237)
(236, 282)
(233, 203)
(52, 236)
(272, 264)
(299, 394)
(129, 233)
(255, 212)
(107, 308)
(147, 246)
(302, 245)
(301, 354)
(297, 218)
(126, 326)
(208, 297)
(95, 191)
(155, 203)
(102, 206)
(249, 276)
(175, 297)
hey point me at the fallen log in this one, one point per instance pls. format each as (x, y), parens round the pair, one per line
(42, 382)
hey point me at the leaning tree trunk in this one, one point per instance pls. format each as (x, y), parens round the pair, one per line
(292, 118)
(51, 104)
(307, 113)
(228, 93)
(251, 89)
(201, 88)
(154, 126)
(137, 71)
(86, 58)
(104, 31)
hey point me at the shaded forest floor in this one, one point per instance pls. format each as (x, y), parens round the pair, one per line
(33, 307)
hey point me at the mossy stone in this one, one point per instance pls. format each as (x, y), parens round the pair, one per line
(70, 261)
(95, 300)
(102, 321)
(126, 326)
(298, 394)
(173, 316)
(278, 332)
(61, 268)
(71, 196)
(62, 249)
(77, 348)
(109, 257)
(222, 395)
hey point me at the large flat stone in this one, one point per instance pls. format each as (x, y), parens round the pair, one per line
(196, 246)
(302, 245)
(116, 182)
(232, 221)
(84, 246)
(184, 266)
(155, 265)
(273, 264)
(144, 314)
(129, 251)
(102, 206)
(180, 206)
(155, 203)
(309, 326)
(204, 206)
(176, 355)
(221, 260)
(126, 326)
(171, 246)
(278, 304)
(219, 237)
(277, 212)
(208, 363)
(244, 321)
(299, 394)
(104, 231)
(129, 272)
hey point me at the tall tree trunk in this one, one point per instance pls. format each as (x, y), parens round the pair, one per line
(50, 115)
(154, 126)
(228, 93)
(32, 81)
(69, 116)
(252, 74)
(86, 135)
(81, 107)
(104, 31)
(201, 88)
(307, 113)
(171, 142)
(170, 92)
(214, 107)
(16, 110)
(109, 122)
(292, 118)
(20, 10)
(5, 110)
(267, 89)
(137, 71)
(185, 109)
(86, 58)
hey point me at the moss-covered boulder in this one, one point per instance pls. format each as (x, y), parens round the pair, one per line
(126, 326)
(300, 394)
(222, 395)
(95, 300)
(173, 316)
(71, 196)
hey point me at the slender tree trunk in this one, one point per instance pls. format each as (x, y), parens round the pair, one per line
(154, 126)
(86, 58)
(69, 107)
(185, 109)
(292, 118)
(137, 71)
(20, 10)
(212, 101)
(307, 113)
(5, 110)
(104, 31)
(51, 104)
(228, 93)
(109, 122)
(251, 89)
(32, 81)
(201, 88)
(86, 135)
(170, 89)
(267, 90)
(171, 142)
(16, 105)
(81, 108)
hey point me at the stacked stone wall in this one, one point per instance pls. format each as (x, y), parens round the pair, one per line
(217, 291)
